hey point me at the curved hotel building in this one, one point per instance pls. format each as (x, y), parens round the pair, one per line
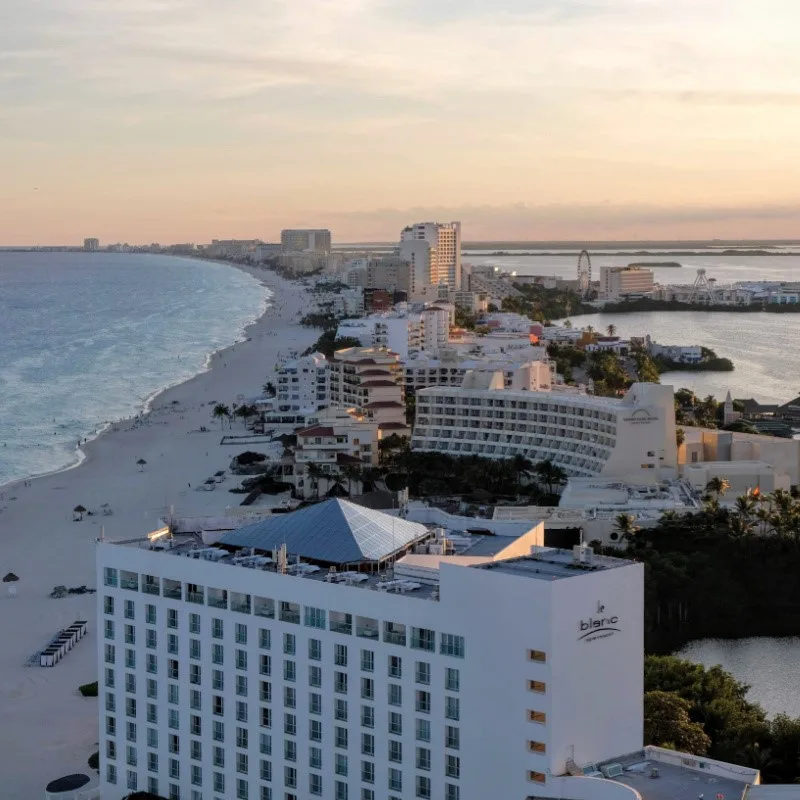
(632, 437)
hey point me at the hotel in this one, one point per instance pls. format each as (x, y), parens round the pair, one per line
(338, 652)
(632, 438)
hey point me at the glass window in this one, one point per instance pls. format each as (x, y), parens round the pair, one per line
(367, 744)
(452, 645)
(395, 751)
(452, 737)
(315, 617)
(423, 758)
(396, 694)
(423, 639)
(340, 655)
(451, 707)
(264, 638)
(314, 649)
(423, 672)
(289, 644)
(395, 667)
(423, 730)
(241, 633)
(452, 679)
(367, 660)
(367, 717)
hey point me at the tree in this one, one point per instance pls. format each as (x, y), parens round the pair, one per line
(550, 474)
(522, 466)
(269, 389)
(680, 436)
(352, 473)
(314, 473)
(667, 724)
(717, 486)
(611, 330)
(221, 412)
(625, 527)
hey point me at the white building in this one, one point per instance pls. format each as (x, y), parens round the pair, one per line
(401, 333)
(266, 250)
(434, 252)
(682, 353)
(617, 283)
(302, 383)
(91, 245)
(632, 438)
(422, 372)
(349, 302)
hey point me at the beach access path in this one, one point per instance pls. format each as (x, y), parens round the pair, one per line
(46, 728)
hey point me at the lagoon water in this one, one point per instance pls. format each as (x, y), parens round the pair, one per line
(770, 666)
(765, 348)
(89, 338)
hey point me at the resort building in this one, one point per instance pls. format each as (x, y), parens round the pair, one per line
(91, 245)
(306, 240)
(391, 273)
(232, 248)
(341, 653)
(474, 302)
(349, 302)
(265, 250)
(336, 444)
(489, 282)
(434, 252)
(302, 384)
(619, 283)
(399, 332)
(369, 381)
(681, 353)
(631, 438)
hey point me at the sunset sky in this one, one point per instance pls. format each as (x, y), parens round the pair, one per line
(187, 120)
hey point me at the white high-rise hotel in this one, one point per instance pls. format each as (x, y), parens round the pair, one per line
(481, 667)
(434, 252)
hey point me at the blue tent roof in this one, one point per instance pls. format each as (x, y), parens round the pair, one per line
(336, 531)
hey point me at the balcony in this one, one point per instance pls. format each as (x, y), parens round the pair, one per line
(218, 598)
(341, 622)
(195, 594)
(240, 603)
(129, 580)
(290, 612)
(150, 585)
(367, 628)
(264, 607)
(172, 589)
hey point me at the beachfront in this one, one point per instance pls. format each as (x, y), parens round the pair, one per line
(46, 728)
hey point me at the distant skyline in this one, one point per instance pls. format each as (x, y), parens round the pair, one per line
(187, 120)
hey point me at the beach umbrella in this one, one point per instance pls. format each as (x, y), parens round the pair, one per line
(141, 462)
(79, 510)
(10, 578)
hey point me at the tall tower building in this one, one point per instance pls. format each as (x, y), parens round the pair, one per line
(306, 239)
(434, 251)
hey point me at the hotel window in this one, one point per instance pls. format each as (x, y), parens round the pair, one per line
(367, 744)
(219, 782)
(152, 738)
(340, 792)
(195, 726)
(340, 682)
(290, 777)
(108, 605)
(172, 669)
(152, 714)
(423, 672)
(290, 724)
(195, 673)
(265, 744)
(241, 763)
(172, 618)
(423, 787)
(132, 779)
(367, 717)
(537, 686)
(340, 764)
(367, 689)
(290, 671)
(110, 653)
(241, 633)
(452, 679)
(452, 792)
(423, 702)
(264, 638)
(109, 677)
(423, 639)
(151, 641)
(194, 649)
(217, 628)
(110, 576)
(241, 711)
(174, 719)
(315, 677)
(536, 747)
(423, 730)
(111, 749)
(395, 667)
(174, 769)
(218, 705)
(314, 703)
(395, 723)
(241, 659)
(536, 777)
(367, 772)
(111, 726)
(395, 751)
(172, 693)
(111, 773)
(194, 699)
(340, 709)
(152, 762)
(395, 780)
(265, 770)
(241, 685)
(315, 730)
(314, 650)
(315, 617)
(266, 717)
(423, 758)
(129, 609)
(217, 654)
(289, 644)
(130, 659)
(109, 629)
(194, 623)
(111, 702)
(265, 691)
(451, 708)
(340, 737)
(395, 694)
(452, 645)
(367, 660)
(219, 757)
(537, 716)
(172, 643)
(314, 784)
(218, 731)
(290, 750)
(197, 775)
(452, 766)
(130, 731)
(315, 758)
(265, 664)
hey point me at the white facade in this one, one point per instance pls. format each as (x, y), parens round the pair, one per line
(349, 302)
(631, 438)
(302, 384)
(619, 282)
(682, 353)
(316, 240)
(400, 333)
(434, 252)
(218, 681)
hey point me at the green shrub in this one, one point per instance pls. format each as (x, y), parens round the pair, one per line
(88, 689)
(94, 761)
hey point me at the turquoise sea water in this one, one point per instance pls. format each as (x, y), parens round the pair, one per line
(87, 339)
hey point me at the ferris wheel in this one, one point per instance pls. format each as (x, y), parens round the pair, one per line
(584, 274)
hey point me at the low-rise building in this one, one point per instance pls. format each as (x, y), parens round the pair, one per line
(681, 353)
(302, 383)
(91, 245)
(450, 368)
(631, 438)
(348, 303)
(316, 240)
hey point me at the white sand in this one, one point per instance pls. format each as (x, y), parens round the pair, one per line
(46, 728)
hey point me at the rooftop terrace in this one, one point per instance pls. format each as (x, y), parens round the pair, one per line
(550, 564)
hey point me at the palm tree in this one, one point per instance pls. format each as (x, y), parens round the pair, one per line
(221, 412)
(522, 466)
(625, 527)
(269, 389)
(314, 473)
(550, 474)
(717, 486)
(611, 330)
(351, 472)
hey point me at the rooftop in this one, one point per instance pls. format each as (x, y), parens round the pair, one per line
(554, 564)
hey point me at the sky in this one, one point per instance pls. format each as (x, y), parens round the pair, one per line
(187, 120)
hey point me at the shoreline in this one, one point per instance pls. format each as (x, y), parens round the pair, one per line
(41, 711)
(107, 426)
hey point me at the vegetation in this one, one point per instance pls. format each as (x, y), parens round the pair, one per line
(328, 344)
(543, 305)
(250, 457)
(221, 412)
(465, 319)
(706, 712)
(320, 319)
(646, 304)
(88, 689)
(707, 365)
(94, 761)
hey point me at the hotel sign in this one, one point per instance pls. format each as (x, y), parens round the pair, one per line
(600, 626)
(640, 417)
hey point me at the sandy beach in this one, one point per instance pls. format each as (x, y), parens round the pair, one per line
(46, 728)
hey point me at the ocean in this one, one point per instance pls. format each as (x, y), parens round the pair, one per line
(88, 339)
(764, 348)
